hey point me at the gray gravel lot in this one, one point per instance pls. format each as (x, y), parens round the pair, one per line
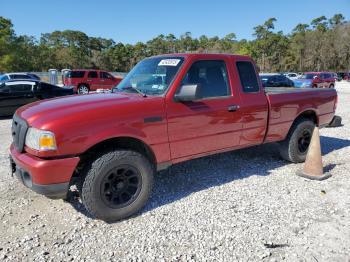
(246, 205)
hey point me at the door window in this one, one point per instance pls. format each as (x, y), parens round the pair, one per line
(212, 77)
(248, 77)
(19, 76)
(21, 88)
(92, 74)
(105, 75)
(75, 74)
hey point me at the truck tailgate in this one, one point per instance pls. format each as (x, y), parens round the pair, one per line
(286, 104)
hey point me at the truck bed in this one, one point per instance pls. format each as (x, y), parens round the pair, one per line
(286, 104)
(288, 90)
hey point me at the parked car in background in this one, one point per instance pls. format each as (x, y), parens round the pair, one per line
(14, 76)
(16, 93)
(335, 76)
(343, 76)
(275, 80)
(85, 81)
(291, 75)
(315, 80)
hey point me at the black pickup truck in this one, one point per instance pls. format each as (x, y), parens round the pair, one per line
(16, 93)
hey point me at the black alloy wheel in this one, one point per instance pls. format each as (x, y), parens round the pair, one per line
(304, 141)
(121, 186)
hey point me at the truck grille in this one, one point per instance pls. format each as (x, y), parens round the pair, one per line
(19, 131)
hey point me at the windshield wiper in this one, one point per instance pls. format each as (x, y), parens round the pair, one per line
(134, 88)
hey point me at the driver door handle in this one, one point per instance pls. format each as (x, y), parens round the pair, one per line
(233, 108)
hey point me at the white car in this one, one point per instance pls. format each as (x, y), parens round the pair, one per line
(18, 76)
(292, 76)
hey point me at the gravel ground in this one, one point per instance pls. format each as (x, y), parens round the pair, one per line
(238, 206)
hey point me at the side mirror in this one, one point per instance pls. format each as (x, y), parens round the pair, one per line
(187, 93)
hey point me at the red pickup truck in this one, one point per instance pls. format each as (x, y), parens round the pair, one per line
(168, 109)
(85, 81)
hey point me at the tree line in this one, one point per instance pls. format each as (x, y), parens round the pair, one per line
(324, 44)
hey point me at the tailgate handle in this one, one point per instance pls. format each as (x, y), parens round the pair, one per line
(233, 108)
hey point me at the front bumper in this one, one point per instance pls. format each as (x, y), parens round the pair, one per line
(47, 177)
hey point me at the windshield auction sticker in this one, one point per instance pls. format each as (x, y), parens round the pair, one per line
(169, 62)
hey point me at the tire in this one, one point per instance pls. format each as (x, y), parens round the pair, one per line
(295, 146)
(331, 86)
(83, 89)
(111, 194)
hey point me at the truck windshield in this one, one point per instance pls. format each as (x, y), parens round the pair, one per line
(151, 76)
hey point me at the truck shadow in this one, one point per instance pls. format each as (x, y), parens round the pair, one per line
(184, 179)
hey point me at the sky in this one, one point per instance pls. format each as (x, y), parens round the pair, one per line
(136, 20)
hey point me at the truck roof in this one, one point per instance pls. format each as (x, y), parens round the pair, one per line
(212, 55)
(88, 70)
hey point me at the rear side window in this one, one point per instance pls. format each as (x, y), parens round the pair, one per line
(248, 77)
(106, 75)
(20, 76)
(92, 74)
(75, 74)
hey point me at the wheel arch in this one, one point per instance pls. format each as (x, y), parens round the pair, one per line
(83, 83)
(124, 142)
(308, 114)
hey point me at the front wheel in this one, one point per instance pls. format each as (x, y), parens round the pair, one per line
(117, 185)
(295, 146)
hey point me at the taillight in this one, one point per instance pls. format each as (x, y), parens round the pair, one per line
(336, 102)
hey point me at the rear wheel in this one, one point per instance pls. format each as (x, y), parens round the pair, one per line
(117, 185)
(331, 86)
(295, 146)
(83, 89)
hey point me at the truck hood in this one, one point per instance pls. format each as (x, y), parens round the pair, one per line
(40, 114)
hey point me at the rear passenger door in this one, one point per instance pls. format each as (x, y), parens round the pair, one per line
(107, 80)
(254, 104)
(93, 80)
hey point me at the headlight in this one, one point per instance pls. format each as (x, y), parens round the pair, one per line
(40, 140)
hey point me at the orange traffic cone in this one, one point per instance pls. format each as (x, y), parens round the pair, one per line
(313, 167)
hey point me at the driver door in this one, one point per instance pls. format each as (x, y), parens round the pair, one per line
(211, 123)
